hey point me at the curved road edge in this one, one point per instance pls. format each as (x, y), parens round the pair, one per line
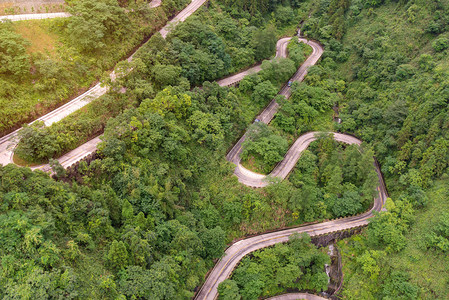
(250, 178)
(284, 167)
(89, 147)
(295, 296)
(225, 266)
(24, 17)
(10, 141)
(238, 250)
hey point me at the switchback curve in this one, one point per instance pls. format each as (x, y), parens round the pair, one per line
(257, 180)
(7, 143)
(238, 250)
(284, 167)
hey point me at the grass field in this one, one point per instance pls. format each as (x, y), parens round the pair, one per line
(38, 33)
(59, 70)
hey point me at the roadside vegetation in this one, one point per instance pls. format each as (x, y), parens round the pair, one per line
(142, 222)
(184, 59)
(45, 65)
(296, 265)
(149, 217)
(307, 109)
(393, 58)
(403, 254)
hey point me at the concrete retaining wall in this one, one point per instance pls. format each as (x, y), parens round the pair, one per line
(72, 172)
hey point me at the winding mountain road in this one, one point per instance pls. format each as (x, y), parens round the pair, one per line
(281, 51)
(258, 180)
(284, 167)
(182, 16)
(238, 250)
(10, 141)
(225, 266)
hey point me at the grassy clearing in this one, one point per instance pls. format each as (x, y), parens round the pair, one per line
(59, 71)
(38, 33)
(21, 162)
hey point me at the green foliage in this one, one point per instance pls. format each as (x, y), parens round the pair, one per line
(439, 236)
(74, 61)
(298, 52)
(296, 265)
(328, 20)
(440, 44)
(399, 287)
(95, 22)
(339, 177)
(264, 43)
(278, 70)
(264, 92)
(229, 290)
(117, 255)
(214, 242)
(39, 216)
(412, 273)
(388, 228)
(304, 106)
(264, 144)
(284, 15)
(162, 202)
(39, 143)
(13, 57)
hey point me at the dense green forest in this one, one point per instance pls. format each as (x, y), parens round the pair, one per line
(148, 219)
(393, 58)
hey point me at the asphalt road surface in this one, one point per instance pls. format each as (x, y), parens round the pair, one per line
(295, 296)
(284, 167)
(281, 51)
(14, 18)
(9, 142)
(238, 250)
(257, 180)
(184, 14)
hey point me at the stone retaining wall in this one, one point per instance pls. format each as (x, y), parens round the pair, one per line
(336, 271)
(72, 172)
